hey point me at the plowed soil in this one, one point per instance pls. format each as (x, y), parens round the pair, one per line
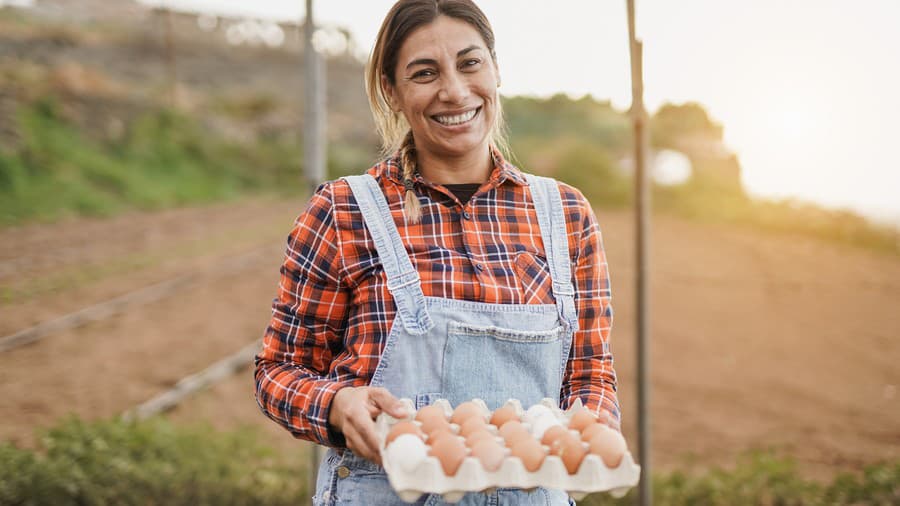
(758, 340)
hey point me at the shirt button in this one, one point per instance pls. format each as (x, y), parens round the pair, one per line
(480, 267)
(343, 472)
(466, 215)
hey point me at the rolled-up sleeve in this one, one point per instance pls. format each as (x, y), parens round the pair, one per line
(590, 375)
(305, 332)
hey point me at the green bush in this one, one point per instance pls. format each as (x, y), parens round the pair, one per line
(147, 463)
(164, 159)
(760, 478)
(580, 140)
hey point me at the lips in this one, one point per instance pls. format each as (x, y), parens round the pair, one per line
(456, 119)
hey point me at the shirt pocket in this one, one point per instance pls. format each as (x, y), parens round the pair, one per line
(533, 274)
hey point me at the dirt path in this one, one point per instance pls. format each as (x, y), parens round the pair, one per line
(758, 340)
(50, 270)
(106, 367)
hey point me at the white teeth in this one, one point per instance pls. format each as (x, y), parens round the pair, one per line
(457, 119)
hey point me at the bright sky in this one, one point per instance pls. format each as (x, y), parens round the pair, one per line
(807, 90)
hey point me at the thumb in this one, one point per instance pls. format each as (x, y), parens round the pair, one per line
(387, 402)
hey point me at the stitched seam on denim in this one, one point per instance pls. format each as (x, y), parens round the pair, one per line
(508, 338)
(426, 398)
(457, 329)
(402, 285)
(384, 360)
(489, 307)
(354, 462)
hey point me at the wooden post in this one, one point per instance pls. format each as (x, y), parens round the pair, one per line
(314, 142)
(639, 118)
(314, 153)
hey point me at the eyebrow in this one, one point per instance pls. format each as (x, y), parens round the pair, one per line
(431, 61)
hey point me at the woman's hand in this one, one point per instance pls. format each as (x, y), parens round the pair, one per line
(353, 411)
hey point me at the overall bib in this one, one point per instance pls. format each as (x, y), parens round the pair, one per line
(459, 350)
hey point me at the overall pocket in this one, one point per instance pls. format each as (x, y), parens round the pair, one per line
(496, 364)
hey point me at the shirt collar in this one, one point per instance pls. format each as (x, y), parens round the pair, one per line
(503, 171)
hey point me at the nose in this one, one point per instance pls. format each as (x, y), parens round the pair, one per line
(454, 88)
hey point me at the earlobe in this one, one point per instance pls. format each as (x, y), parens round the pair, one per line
(389, 94)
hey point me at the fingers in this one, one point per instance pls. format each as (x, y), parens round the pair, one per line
(354, 412)
(387, 402)
(359, 431)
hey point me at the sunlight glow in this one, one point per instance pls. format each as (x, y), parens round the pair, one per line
(806, 90)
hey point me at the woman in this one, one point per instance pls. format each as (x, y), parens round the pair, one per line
(443, 272)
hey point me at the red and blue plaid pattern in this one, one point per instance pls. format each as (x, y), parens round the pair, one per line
(333, 311)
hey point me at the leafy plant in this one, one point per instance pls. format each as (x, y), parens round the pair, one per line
(117, 462)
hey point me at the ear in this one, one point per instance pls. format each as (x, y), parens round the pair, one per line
(390, 93)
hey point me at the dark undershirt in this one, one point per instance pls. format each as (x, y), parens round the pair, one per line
(463, 191)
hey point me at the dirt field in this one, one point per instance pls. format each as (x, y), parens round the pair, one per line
(758, 340)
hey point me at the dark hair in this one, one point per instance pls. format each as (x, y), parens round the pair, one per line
(403, 19)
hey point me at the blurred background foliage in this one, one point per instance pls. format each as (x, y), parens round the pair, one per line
(81, 138)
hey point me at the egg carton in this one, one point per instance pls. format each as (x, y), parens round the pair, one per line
(428, 476)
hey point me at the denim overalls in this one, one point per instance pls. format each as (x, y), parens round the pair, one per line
(459, 350)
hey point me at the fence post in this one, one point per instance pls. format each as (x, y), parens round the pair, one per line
(642, 218)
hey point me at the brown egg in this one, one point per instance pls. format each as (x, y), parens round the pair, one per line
(503, 415)
(450, 451)
(472, 424)
(477, 436)
(557, 445)
(403, 428)
(609, 445)
(552, 434)
(581, 419)
(431, 417)
(513, 431)
(592, 429)
(571, 450)
(489, 453)
(530, 451)
(465, 411)
(441, 433)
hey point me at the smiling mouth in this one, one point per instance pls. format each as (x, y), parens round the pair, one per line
(457, 119)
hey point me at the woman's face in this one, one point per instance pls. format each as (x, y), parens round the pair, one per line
(446, 87)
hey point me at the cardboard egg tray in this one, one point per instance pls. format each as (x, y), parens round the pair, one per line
(429, 477)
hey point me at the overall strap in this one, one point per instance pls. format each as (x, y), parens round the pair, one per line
(402, 278)
(552, 221)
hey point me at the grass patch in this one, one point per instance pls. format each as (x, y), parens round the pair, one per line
(700, 201)
(163, 160)
(762, 478)
(146, 463)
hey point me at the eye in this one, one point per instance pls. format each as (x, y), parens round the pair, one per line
(470, 65)
(424, 76)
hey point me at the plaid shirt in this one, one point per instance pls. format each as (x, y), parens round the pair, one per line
(333, 312)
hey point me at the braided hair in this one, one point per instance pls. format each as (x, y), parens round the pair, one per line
(412, 208)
